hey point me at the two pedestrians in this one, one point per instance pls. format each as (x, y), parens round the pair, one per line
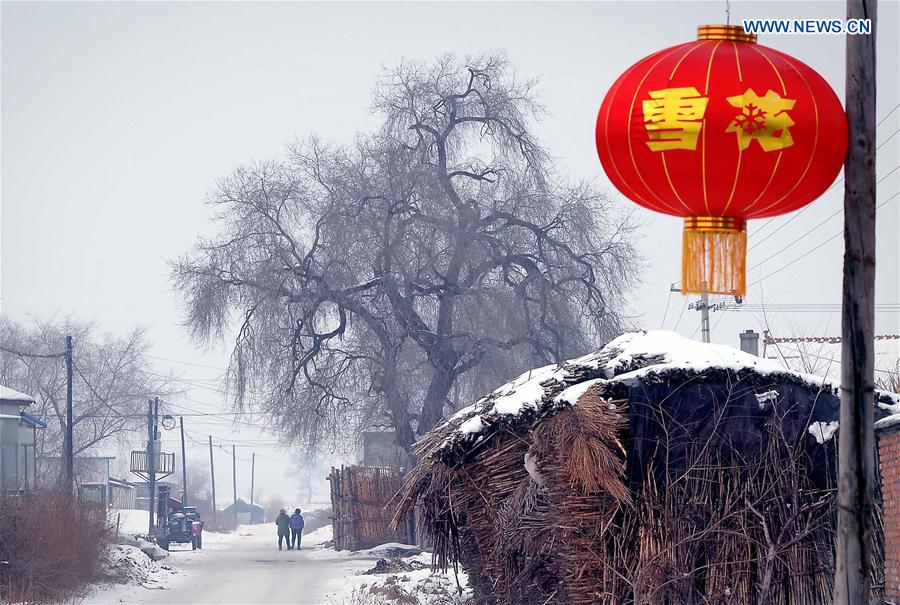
(290, 529)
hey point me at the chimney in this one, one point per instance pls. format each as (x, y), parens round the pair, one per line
(750, 342)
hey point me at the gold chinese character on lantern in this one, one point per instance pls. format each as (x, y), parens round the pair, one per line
(763, 119)
(673, 117)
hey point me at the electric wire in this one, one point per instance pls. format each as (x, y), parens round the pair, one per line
(768, 222)
(33, 355)
(836, 235)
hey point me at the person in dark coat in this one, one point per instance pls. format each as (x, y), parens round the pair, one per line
(283, 522)
(296, 529)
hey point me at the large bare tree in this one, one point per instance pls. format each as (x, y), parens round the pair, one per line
(112, 381)
(379, 283)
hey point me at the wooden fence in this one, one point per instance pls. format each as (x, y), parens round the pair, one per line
(360, 512)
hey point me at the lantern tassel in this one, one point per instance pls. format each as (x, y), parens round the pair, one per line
(714, 259)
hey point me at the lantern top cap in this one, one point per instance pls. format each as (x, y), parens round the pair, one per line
(725, 32)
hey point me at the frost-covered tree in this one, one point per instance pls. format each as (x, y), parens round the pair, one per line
(112, 381)
(379, 284)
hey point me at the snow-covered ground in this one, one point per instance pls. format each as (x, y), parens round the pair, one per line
(246, 566)
(129, 521)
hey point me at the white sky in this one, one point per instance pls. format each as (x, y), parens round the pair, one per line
(117, 119)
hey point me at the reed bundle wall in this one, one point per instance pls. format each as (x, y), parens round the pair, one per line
(359, 497)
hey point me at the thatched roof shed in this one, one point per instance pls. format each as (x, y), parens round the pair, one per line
(656, 470)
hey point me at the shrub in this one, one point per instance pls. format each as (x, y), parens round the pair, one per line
(53, 544)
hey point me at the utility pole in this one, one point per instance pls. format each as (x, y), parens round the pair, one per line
(69, 441)
(704, 307)
(184, 497)
(856, 445)
(234, 478)
(252, 474)
(704, 314)
(151, 460)
(212, 476)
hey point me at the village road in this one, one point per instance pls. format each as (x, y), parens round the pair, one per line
(247, 567)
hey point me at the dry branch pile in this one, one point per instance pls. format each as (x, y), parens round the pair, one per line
(679, 486)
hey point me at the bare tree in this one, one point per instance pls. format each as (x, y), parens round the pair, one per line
(112, 381)
(374, 284)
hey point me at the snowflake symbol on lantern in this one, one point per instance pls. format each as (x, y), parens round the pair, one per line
(763, 119)
(751, 119)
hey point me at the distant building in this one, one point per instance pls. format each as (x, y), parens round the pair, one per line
(93, 478)
(246, 512)
(18, 431)
(121, 493)
(380, 449)
(142, 492)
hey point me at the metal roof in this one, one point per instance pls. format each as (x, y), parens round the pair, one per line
(34, 420)
(12, 395)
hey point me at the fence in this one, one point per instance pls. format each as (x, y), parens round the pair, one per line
(360, 512)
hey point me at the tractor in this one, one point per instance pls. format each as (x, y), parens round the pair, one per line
(176, 522)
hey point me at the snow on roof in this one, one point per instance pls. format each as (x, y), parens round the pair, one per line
(637, 353)
(8, 394)
(631, 356)
(888, 422)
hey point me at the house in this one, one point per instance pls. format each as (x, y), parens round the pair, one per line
(121, 493)
(18, 432)
(93, 477)
(246, 513)
(142, 492)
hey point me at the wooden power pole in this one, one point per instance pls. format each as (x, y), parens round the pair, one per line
(212, 477)
(184, 496)
(234, 478)
(152, 411)
(252, 475)
(856, 442)
(69, 441)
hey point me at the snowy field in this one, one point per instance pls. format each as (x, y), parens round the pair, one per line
(246, 566)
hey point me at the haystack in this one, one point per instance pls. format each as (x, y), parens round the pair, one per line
(656, 470)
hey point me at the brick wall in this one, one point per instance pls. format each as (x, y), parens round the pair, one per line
(889, 453)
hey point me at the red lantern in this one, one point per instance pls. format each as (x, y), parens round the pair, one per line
(719, 131)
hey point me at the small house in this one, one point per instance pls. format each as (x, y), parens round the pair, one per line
(18, 435)
(245, 512)
(120, 493)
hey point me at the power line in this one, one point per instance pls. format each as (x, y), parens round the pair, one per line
(683, 307)
(832, 359)
(804, 308)
(666, 312)
(838, 234)
(768, 222)
(34, 355)
(893, 134)
(187, 363)
(837, 212)
(887, 115)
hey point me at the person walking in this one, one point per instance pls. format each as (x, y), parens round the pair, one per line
(283, 523)
(296, 529)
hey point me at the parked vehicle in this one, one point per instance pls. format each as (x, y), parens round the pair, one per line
(176, 522)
